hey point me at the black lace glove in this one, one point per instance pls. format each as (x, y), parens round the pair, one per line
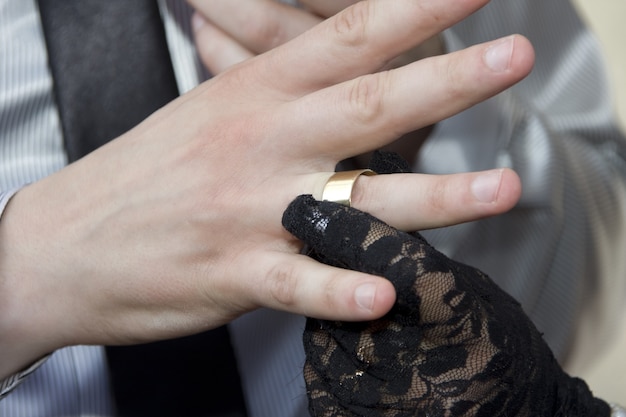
(454, 344)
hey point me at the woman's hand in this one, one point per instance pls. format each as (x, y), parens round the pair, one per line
(454, 343)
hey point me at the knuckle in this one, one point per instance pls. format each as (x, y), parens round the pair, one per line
(454, 77)
(435, 197)
(330, 293)
(351, 24)
(366, 97)
(283, 284)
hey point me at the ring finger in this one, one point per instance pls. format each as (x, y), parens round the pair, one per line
(418, 201)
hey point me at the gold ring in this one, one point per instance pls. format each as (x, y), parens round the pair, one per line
(338, 188)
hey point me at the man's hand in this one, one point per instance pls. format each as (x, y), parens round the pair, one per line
(175, 227)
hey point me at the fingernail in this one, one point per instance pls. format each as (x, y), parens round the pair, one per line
(498, 55)
(364, 295)
(197, 21)
(485, 187)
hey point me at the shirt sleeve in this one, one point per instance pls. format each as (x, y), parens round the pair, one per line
(10, 383)
(5, 196)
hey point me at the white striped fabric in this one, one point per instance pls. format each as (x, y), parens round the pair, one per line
(31, 145)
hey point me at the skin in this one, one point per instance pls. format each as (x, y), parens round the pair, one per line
(175, 227)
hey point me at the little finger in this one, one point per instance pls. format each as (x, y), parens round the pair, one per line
(298, 284)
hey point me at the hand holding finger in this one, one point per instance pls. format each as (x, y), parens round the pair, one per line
(154, 233)
(453, 341)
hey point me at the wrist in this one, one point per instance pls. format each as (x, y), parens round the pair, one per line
(24, 339)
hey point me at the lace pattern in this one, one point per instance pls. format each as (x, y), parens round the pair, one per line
(454, 344)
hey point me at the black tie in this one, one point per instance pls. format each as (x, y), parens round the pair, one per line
(111, 69)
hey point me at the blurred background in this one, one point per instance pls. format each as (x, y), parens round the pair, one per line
(607, 377)
(608, 19)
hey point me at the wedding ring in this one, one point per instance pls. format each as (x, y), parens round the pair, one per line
(338, 188)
